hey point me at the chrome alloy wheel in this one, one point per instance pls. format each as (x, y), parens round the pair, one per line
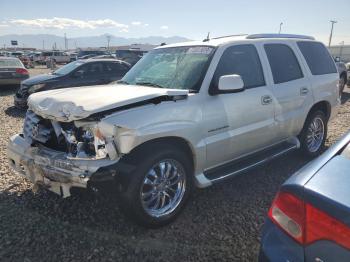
(315, 134)
(163, 188)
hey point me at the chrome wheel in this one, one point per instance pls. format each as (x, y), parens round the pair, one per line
(163, 188)
(315, 134)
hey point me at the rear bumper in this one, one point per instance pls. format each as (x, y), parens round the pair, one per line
(54, 171)
(11, 81)
(277, 246)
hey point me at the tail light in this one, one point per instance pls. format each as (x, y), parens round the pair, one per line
(288, 212)
(22, 71)
(305, 223)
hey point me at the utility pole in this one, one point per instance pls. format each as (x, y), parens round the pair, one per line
(331, 35)
(341, 49)
(65, 42)
(279, 31)
(108, 40)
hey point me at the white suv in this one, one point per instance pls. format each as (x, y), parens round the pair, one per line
(186, 114)
(58, 57)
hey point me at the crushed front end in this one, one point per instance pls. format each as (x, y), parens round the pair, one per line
(62, 155)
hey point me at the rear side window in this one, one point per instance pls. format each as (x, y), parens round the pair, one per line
(283, 62)
(95, 69)
(116, 69)
(317, 57)
(91, 70)
(242, 60)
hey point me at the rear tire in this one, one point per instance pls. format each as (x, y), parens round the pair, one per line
(151, 196)
(342, 83)
(313, 136)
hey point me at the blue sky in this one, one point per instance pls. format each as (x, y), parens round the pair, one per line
(192, 19)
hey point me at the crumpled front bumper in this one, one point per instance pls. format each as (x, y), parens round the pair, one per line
(53, 170)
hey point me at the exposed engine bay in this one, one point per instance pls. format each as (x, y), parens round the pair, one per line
(79, 140)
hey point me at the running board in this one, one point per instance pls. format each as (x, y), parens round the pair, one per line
(246, 163)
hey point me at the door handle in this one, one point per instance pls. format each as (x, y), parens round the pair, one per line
(265, 100)
(304, 91)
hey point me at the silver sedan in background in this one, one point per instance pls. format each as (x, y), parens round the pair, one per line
(12, 71)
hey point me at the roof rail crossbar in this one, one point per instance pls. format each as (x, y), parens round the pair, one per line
(257, 36)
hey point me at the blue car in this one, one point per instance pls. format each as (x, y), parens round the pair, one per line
(309, 219)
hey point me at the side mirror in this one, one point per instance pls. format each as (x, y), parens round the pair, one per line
(337, 59)
(78, 74)
(230, 83)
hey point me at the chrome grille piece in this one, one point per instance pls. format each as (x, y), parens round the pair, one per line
(34, 128)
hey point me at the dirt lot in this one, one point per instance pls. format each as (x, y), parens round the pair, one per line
(221, 223)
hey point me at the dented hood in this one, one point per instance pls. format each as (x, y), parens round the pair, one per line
(80, 102)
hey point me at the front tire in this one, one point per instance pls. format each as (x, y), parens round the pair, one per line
(157, 191)
(313, 136)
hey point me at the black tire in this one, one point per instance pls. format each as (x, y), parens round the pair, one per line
(130, 194)
(303, 137)
(342, 84)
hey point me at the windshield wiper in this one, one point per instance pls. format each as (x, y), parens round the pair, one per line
(122, 82)
(148, 84)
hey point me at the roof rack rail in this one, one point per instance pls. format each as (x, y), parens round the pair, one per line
(257, 36)
(219, 37)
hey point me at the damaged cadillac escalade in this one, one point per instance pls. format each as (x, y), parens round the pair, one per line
(186, 114)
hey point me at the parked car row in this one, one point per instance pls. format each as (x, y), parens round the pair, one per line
(29, 59)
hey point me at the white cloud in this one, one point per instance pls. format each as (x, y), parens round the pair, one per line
(124, 30)
(139, 24)
(63, 23)
(136, 23)
(164, 27)
(3, 25)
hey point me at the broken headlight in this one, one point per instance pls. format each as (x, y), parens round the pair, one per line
(88, 142)
(35, 88)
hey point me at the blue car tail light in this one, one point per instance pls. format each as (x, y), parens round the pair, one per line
(305, 223)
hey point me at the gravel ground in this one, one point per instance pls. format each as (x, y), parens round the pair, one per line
(220, 223)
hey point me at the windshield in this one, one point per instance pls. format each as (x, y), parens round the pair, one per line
(68, 68)
(174, 67)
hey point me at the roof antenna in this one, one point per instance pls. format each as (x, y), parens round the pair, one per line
(208, 38)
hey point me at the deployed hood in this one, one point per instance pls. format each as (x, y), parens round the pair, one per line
(80, 102)
(39, 79)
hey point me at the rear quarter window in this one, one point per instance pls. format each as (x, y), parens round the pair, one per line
(317, 57)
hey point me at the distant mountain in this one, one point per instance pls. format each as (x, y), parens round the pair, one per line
(48, 41)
